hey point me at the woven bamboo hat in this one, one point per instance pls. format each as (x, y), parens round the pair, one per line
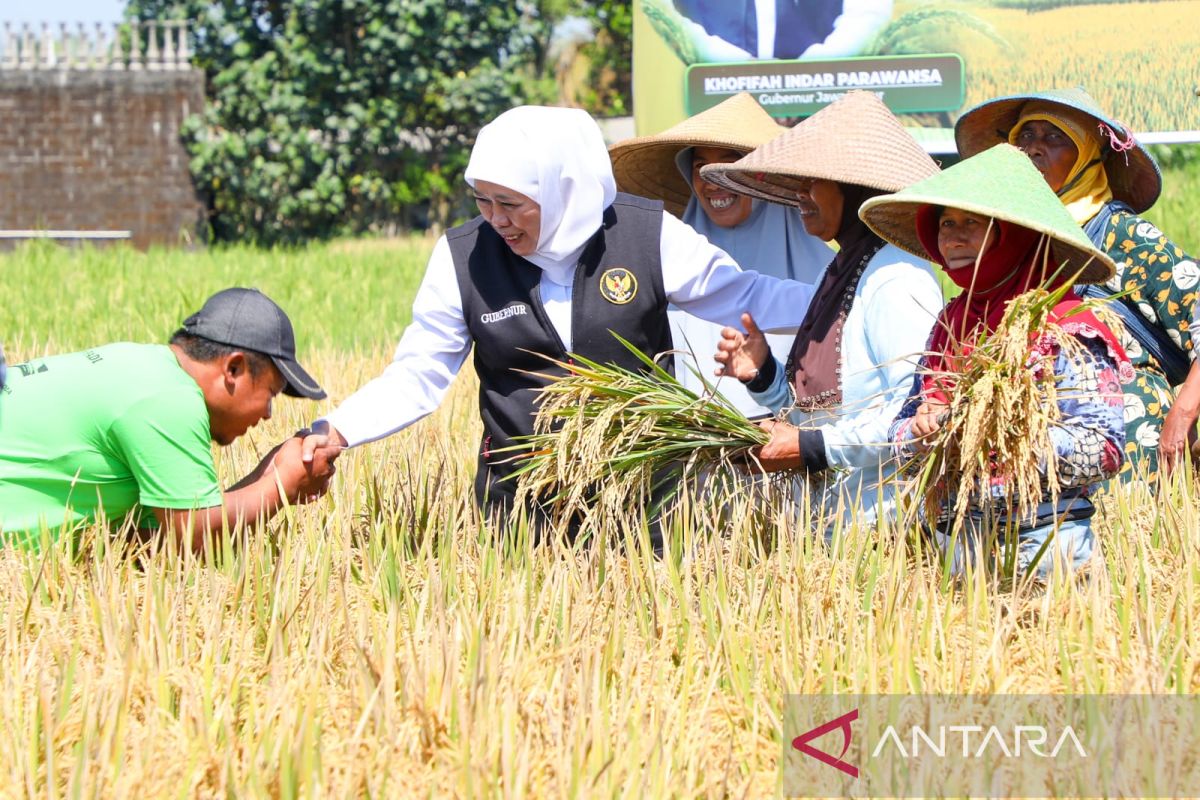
(646, 165)
(855, 139)
(1133, 174)
(1001, 183)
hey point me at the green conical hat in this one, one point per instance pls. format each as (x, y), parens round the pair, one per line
(1001, 183)
(1133, 174)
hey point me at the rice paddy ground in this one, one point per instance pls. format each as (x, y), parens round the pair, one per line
(382, 643)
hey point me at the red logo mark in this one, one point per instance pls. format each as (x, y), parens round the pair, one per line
(842, 723)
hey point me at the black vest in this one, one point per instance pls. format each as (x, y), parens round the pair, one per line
(618, 287)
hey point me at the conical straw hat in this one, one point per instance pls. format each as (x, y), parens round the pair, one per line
(646, 165)
(855, 139)
(1133, 174)
(1001, 183)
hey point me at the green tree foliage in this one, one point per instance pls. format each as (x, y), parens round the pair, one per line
(605, 88)
(326, 117)
(610, 58)
(1176, 156)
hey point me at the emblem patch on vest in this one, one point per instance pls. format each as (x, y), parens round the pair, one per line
(618, 285)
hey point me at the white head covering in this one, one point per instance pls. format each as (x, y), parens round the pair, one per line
(556, 157)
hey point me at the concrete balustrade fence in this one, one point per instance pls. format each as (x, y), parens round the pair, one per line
(151, 46)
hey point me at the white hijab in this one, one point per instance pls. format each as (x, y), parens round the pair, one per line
(557, 158)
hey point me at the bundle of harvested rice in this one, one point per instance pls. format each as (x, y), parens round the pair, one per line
(996, 432)
(607, 432)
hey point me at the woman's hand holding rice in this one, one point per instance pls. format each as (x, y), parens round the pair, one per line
(927, 422)
(782, 452)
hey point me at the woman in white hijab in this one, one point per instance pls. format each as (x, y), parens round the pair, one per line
(555, 262)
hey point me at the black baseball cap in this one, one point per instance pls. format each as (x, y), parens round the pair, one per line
(248, 318)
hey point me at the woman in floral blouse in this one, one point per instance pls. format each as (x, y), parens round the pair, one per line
(1106, 179)
(997, 231)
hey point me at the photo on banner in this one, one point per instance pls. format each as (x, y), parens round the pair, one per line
(927, 59)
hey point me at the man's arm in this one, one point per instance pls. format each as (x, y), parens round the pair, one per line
(280, 478)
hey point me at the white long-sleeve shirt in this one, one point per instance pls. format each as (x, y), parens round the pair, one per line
(697, 277)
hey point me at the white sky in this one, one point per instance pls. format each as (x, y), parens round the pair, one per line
(61, 10)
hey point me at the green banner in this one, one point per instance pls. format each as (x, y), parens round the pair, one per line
(1137, 59)
(802, 88)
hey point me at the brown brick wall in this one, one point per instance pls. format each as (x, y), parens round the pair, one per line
(96, 150)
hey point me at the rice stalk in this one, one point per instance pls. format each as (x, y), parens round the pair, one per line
(994, 447)
(609, 434)
(387, 643)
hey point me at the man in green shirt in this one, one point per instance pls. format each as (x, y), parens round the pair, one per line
(126, 428)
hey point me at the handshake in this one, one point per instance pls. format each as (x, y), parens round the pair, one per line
(304, 464)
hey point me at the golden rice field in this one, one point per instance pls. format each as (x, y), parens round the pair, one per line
(1145, 57)
(383, 642)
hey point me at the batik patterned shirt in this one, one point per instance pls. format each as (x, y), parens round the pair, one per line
(1158, 277)
(1089, 438)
